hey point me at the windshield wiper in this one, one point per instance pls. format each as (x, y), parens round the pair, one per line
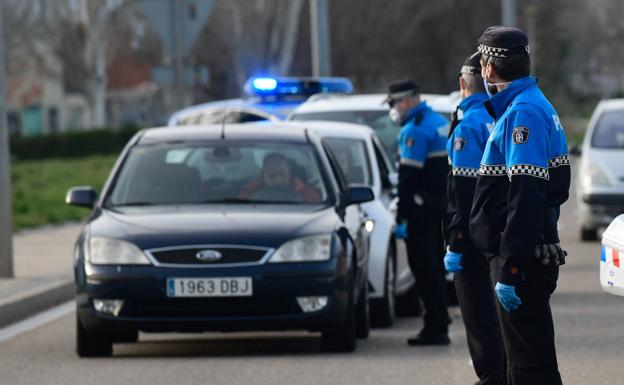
(132, 204)
(243, 200)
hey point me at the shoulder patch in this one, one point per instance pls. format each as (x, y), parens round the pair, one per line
(409, 142)
(520, 135)
(459, 143)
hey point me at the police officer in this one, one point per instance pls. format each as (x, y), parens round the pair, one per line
(472, 273)
(422, 198)
(523, 179)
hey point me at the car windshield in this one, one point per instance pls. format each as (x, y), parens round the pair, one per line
(353, 159)
(609, 132)
(378, 120)
(220, 172)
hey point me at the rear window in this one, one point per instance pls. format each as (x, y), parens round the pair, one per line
(378, 120)
(609, 131)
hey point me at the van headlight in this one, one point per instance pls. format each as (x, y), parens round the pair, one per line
(106, 251)
(308, 249)
(595, 177)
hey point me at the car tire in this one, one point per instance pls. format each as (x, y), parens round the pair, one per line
(343, 338)
(89, 344)
(588, 234)
(362, 314)
(383, 312)
(408, 304)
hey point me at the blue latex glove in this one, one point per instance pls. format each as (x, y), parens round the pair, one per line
(400, 231)
(452, 261)
(507, 296)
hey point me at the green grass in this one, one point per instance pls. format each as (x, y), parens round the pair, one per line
(39, 188)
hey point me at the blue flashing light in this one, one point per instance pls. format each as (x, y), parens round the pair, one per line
(298, 87)
(264, 84)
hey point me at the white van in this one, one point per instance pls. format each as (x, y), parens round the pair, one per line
(600, 188)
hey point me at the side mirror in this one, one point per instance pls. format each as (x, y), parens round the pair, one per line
(575, 150)
(83, 196)
(358, 194)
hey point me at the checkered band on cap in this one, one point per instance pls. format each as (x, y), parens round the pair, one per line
(464, 171)
(563, 160)
(492, 170)
(469, 70)
(528, 169)
(401, 95)
(501, 52)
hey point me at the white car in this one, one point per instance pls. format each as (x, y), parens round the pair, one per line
(612, 258)
(600, 189)
(367, 109)
(364, 161)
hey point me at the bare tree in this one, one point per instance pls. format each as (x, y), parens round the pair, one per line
(82, 35)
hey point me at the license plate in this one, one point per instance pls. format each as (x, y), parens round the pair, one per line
(209, 287)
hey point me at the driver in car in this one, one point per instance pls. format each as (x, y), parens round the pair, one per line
(276, 179)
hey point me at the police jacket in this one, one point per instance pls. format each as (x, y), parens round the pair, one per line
(465, 148)
(422, 161)
(523, 179)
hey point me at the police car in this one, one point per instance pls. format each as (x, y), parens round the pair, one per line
(369, 110)
(266, 98)
(612, 258)
(601, 175)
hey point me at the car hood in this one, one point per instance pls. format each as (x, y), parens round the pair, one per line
(610, 161)
(268, 226)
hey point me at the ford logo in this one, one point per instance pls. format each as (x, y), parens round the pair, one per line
(209, 255)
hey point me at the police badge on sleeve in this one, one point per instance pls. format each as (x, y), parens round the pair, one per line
(520, 135)
(459, 144)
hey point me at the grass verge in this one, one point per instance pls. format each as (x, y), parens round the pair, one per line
(39, 188)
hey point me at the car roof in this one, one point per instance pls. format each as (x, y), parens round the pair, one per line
(266, 132)
(278, 108)
(612, 104)
(367, 102)
(334, 129)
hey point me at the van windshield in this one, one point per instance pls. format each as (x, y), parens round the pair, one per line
(609, 132)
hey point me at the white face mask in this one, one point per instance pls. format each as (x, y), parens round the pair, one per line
(395, 115)
(491, 89)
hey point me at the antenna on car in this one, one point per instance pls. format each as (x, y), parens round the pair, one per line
(223, 120)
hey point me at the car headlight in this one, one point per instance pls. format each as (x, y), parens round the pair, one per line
(307, 249)
(595, 177)
(105, 251)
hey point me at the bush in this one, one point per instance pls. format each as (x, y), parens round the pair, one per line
(74, 144)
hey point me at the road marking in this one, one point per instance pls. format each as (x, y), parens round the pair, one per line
(36, 321)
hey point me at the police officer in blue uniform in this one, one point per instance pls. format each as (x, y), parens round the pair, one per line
(524, 178)
(423, 169)
(471, 128)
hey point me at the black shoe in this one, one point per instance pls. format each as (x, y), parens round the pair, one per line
(424, 339)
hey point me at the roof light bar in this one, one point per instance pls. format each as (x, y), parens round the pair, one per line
(276, 87)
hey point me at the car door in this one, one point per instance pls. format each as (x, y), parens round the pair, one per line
(354, 219)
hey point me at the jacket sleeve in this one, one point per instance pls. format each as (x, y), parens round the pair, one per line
(465, 149)
(526, 157)
(412, 156)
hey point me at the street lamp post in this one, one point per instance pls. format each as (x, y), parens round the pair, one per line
(6, 233)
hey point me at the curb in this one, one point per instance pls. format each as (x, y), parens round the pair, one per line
(38, 297)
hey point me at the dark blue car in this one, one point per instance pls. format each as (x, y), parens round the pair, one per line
(222, 229)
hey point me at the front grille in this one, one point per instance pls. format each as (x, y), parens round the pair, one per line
(188, 255)
(211, 307)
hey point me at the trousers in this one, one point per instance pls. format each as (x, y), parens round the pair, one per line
(528, 332)
(425, 254)
(476, 299)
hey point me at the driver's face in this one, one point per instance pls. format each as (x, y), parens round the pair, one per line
(276, 174)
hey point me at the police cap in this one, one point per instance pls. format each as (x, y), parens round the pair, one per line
(502, 41)
(472, 65)
(401, 89)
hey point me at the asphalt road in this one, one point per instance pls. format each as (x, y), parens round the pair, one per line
(588, 324)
